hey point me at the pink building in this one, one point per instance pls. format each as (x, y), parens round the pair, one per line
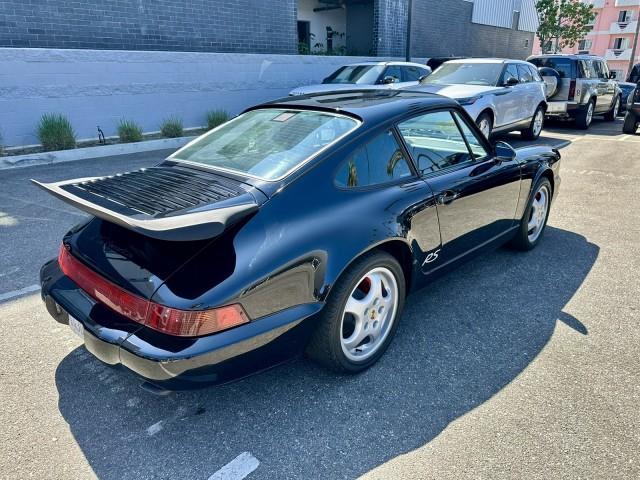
(612, 34)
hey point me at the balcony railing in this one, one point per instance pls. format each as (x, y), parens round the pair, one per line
(623, 27)
(627, 3)
(618, 54)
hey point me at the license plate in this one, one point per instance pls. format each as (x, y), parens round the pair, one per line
(76, 327)
(556, 107)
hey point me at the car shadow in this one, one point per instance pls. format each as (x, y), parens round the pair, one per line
(462, 339)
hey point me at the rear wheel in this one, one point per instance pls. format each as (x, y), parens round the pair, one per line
(361, 315)
(612, 114)
(585, 116)
(630, 125)
(534, 220)
(485, 124)
(535, 128)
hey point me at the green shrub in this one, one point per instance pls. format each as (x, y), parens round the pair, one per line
(171, 127)
(216, 117)
(129, 131)
(55, 132)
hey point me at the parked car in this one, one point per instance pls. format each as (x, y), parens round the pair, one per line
(369, 75)
(632, 116)
(299, 225)
(500, 95)
(634, 74)
(627, 90)
(585, 88)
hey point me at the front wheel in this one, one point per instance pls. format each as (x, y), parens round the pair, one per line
(612, 114)
(534, 220)
(535, 128)
(630, 125)
(361, 315)
(485, 124)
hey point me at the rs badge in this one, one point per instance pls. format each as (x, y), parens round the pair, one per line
(431, 257)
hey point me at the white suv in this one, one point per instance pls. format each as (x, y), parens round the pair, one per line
(500, 95)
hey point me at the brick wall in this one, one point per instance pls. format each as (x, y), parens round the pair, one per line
(256, 26)
(445, 29)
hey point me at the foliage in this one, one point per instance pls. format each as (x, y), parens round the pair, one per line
(216, 117)
(129, 131)
(171, 127)
(56, 133)
(562, 23)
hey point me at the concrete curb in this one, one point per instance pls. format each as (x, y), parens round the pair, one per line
(46, 158)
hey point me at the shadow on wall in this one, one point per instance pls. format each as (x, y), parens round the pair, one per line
(461, 340)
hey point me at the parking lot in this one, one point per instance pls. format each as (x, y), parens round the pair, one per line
(521, 365)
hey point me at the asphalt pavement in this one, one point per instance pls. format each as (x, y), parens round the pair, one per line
(516, 365)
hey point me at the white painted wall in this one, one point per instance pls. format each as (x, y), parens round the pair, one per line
(100, 87)
(318, 22)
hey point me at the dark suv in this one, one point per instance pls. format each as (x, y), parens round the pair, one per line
(582, 87)
(632, 117)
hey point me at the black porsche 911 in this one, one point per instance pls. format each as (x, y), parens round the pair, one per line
(298, 226)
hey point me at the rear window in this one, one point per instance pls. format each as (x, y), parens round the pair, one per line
(564, 66)
(267, 143)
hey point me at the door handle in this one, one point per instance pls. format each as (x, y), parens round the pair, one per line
(447, 197)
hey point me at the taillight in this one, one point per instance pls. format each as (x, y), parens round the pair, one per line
(183, 323)
(572, 89)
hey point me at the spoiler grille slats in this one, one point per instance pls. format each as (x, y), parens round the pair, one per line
(158, 190)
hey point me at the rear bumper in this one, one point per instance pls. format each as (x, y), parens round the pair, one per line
(177, 363)
(564, 109)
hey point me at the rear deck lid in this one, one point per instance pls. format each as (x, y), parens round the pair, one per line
(166, 202)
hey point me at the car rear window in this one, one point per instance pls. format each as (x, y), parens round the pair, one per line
(564, 66)
(267, 143)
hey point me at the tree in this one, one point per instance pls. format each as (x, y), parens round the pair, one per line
(562, 23)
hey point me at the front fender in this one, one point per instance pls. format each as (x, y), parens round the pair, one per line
(536, 162)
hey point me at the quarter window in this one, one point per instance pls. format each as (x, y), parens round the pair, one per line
(435, 141)
(379, 161)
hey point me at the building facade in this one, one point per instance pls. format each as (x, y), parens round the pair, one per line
(612, 34)
(353, 27)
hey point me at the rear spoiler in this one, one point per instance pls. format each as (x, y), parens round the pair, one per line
(137, 201)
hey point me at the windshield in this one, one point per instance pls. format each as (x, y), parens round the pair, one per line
(267, 143)
(466, 74)
(358, 74)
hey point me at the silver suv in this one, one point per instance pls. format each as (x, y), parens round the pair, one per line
(579, 87)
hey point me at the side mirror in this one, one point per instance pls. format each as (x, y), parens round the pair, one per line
(388, 79)
(504, 152)
(422, 78)
(511, 81)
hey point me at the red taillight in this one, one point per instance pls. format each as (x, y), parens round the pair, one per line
(183, 323)
(572, 89)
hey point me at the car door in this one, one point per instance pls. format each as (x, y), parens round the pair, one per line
(527, 90)
(605, 93)
(475, 192)
(508, 100)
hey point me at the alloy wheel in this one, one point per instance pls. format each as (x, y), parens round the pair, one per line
(538, 214)
(616, 108)
(589, 113)
(538, 122)
(369, 314)
(485, 127)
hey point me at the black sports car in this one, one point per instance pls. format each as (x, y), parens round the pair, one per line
(300, 225)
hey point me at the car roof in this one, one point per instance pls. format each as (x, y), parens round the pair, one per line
(486, 60)
(412, 64)
(573, 56)
(370, 105)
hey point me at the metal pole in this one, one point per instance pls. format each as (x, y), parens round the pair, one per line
(408, 44)
(635, 44)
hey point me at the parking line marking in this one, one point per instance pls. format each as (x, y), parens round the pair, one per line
(238, 468)
(155, 428)
(19, 293)
(623, 138)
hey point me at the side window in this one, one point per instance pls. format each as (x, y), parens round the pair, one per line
(411, 74)
(597, 66)
(524, 74)
(393, 71)
(435, 141)
(477, 148)
(379, 161)
(510, 71)
(534, 73)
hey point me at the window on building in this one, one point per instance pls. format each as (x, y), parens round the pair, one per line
(585, 45)
(625, 16)
(380, 161)
(620, 43)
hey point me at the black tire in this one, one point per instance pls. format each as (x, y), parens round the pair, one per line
(583, 119)
(630, 125)
(612, 114)
(521, 240)
(532, 133)
(484, 116)
(325, 346)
